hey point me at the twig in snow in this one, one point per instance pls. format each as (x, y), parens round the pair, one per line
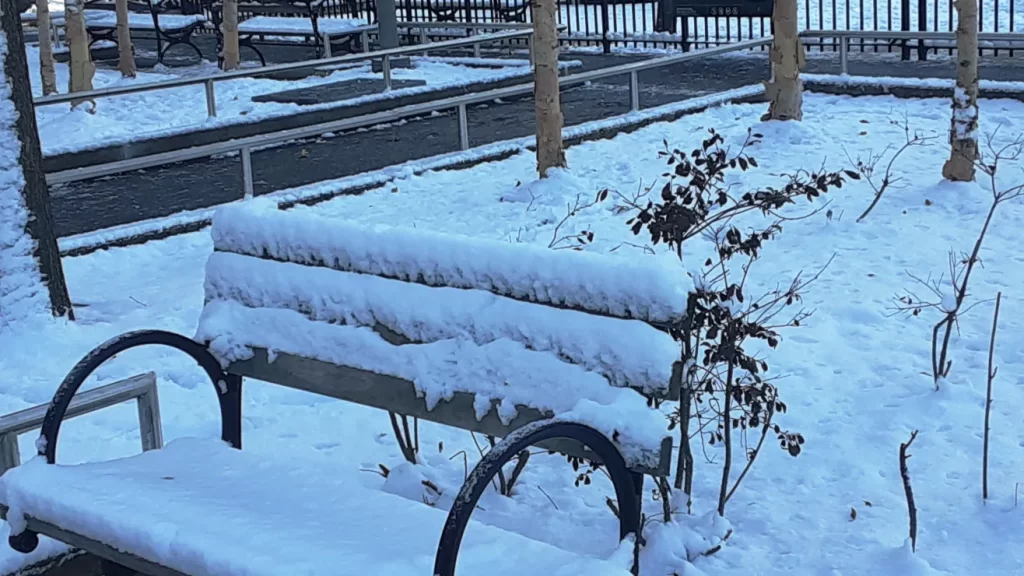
(992, 371)
(905, 474)
(866, 167)
(548, 497)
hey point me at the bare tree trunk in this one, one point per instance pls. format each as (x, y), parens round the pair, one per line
(28, 244)
(229, 31)
(46, 69)
(550, 151)
(785, 89)
(963, 131)
(81, 68)
(125, 54)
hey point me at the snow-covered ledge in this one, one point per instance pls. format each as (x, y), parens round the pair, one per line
(905, 87)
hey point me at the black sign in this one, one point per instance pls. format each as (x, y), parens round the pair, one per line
(734, 8)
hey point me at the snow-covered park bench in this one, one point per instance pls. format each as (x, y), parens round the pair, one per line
(284, 21)
(327, 34)
(561, 349)
(169, 30)
(449, 10)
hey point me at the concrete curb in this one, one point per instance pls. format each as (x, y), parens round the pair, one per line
(906, 87)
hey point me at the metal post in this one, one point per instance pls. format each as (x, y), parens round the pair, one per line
(463, 128)
(9, 455)
(529, 47)
(327, 44)
(844, 55)
(634, 91)
(150, 427)
(211, 100)
(476, 50)
(247, 173)
(364, 39)
(423, 38)
(386, 67)
(387, 24)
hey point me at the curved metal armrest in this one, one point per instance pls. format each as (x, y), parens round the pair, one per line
(628, 485)
(227, 386)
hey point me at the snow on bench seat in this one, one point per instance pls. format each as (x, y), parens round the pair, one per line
(138, 21)
(303, 26)
(200, 507)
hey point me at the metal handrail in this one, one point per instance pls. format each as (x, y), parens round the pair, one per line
(141, 388)
(845, 36)
(459, 103)
(288, 67)
(909, 35)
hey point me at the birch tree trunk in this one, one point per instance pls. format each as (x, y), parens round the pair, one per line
(963, 131)
(785, 89)
(125, 54)
(81, 66)
(46, 69)
(31, 277)
(550, 152)
(229, 32)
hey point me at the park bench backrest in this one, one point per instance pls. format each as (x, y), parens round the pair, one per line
(608, 315)
(305, 8)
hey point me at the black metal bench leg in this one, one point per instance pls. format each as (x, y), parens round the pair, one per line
(231, 409)
(638, 484)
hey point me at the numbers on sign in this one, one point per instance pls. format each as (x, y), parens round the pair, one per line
(725, 11)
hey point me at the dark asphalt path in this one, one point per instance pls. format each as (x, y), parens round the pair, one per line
(86, 206)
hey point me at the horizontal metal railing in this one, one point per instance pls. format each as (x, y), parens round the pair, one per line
(459, 103)
(141, 388)
(211, 106)
(845, 36)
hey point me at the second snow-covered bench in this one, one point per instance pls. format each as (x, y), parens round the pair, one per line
(557, 348)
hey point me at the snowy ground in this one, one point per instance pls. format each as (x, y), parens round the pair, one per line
(855, 382)
(122, 119)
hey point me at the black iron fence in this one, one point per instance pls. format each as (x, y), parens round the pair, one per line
(638, 24)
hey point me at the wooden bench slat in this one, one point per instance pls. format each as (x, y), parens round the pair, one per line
(400, 395)
(502, 374)
(645, 289)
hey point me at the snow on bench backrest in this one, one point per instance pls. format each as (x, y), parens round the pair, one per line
(416, 286)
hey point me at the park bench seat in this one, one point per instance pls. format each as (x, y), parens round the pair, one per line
(285, 26)
(104, 19)
(222, 511)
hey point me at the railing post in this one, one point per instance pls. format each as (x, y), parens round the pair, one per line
(326, 39)
(211, 100)
(9, 455)
(463, 128)
(364, 39)
(529, 48)
(844, 55)
(247, 187)
(634, 91)
(150, 427)
(386, 68)
(476, 50)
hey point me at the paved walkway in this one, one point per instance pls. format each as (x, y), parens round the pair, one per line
(86, 206)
